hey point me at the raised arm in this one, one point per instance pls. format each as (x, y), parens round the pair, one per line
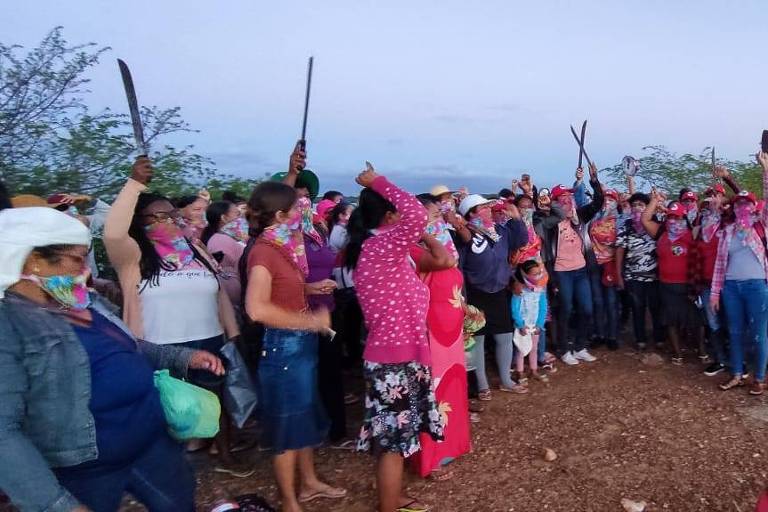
(553, 218)
(121, 248)
(724, 174)
(631, 184)
(647, 219)
(296, 163)
(587, 212)
(762, 159)
(413, 216)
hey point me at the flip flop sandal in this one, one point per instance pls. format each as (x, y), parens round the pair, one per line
(333, 493)
(484, 395)
(441, 476)
(349, 444)
(518, 390)
(236, 472)
(411, 507)
(733, 383)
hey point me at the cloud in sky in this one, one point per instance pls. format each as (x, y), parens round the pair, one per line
(474, 93)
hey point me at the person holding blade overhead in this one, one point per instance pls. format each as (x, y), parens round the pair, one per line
(570, 247)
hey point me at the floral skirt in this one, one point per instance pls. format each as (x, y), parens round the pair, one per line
(399, 405)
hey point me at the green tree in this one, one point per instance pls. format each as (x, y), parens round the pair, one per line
(671, 172)
(51, 142)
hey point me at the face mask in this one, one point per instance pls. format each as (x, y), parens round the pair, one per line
(637, 214)
(744, 212)
(170, 244)
(692, 212)
(305, 215)
(439, 229)
(611, 208)
(69, 291)
(676, 227)
(447, 207)
(237, 229)
(527, 215)
(566, 203)
(710, 221)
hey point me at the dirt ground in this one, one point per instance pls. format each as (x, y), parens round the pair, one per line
(620, 428)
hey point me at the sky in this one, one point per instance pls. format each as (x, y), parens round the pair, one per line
(450, 92)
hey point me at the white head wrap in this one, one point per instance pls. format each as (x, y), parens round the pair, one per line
(23, 229)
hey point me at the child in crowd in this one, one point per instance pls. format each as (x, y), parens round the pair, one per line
(529, 312)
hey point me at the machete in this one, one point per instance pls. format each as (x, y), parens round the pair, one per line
(583, 135)
(133, 107)
(303, 139)
(581, 146)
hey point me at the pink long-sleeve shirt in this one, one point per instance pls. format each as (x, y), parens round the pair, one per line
(393, 299)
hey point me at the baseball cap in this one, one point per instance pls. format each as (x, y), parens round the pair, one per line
(27, 201)
(675, 210)
(715, 189)
(559, 190)
(470, 202)
(609, 192)
(689, 196)
(749, 196)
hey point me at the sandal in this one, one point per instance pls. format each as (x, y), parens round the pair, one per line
(349, 444)
(441, 475)
(413, 506)
(474, 417)
(329, 492)
(541, 377)
(518, 389)
(736, 381)
(757, 388)
(484, 395)
(677, 361)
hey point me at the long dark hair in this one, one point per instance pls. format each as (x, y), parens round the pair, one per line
(367, 216)
(184, 201)
(5, 197)
(336, 212)
(213, 215)
(151, 263)
(267, 199)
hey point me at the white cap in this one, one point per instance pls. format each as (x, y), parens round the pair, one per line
(470, 202)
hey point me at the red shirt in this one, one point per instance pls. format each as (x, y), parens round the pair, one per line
(707, 254)
(674, 258)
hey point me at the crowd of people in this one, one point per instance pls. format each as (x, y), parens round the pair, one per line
(403, 289)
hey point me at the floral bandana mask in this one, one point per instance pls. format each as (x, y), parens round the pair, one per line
(69, 291)
(485, 227)
(637, 215)
(307, 227)
(447, 206)
(237, 229)
(710, 221)
(439, 229)
(536, 283)
(744, 214)
(288, 238)
(170, 244)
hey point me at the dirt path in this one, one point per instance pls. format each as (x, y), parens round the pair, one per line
(621, 429)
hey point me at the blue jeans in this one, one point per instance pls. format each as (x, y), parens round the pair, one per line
(542, 348)
(715, 324)
(605, 304)
(746, 309)
(161, 479)
(574, 287)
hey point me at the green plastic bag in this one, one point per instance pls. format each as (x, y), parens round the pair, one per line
(191, 411)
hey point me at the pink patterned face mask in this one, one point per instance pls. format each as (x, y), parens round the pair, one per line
(69, 291)
(439, 229)
(307, 227)
(170, 244)
(237, 229)
(288, 238)
(744, 215)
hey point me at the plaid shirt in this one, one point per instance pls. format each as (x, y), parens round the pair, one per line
(753, 241)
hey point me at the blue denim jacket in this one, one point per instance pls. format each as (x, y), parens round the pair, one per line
(45, 390)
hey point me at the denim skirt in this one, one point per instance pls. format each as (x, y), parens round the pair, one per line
(291, 415)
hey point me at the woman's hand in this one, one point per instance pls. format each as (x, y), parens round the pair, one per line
(324, 287)
(579, 174)
(720, 172)
(365, 178)
(142, 170)
(523, 330)
(204, 360)
(298, 160)
(592, 172)
(714, 303)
